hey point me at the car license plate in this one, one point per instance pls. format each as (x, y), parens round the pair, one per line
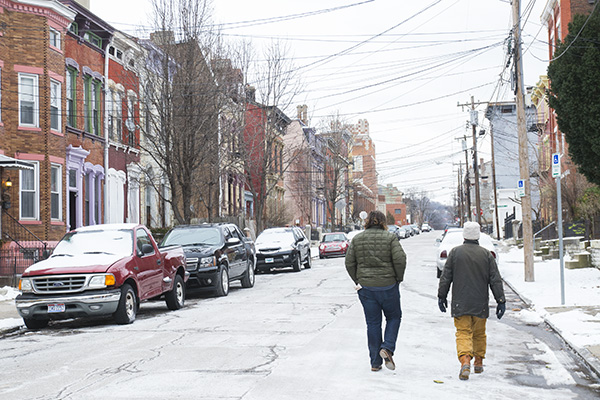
(55, 308)
(269, 260)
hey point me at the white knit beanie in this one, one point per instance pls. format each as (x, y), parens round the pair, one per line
(471, 231)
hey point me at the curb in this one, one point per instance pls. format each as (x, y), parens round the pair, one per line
(583, 354)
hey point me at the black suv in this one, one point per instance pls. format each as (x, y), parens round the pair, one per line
(216, 254)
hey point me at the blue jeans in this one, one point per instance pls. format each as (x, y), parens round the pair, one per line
(375, 302)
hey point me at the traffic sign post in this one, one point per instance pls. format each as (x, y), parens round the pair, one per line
(555, 165)
(521, 188)
(556, 174)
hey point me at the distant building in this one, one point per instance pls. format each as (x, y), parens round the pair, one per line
(363, 171)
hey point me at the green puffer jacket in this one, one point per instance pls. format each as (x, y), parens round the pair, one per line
(375, 258)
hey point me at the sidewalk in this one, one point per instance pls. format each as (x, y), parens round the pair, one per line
(9, 317)
(578, 320)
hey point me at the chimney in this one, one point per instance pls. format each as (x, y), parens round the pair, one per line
(162, 38)
(250, 93)
(303, 113)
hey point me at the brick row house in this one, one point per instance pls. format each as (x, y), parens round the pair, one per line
(69, 135)
(556, 16)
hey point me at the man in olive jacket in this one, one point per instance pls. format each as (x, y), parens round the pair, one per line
(376, 262)
(471, 269)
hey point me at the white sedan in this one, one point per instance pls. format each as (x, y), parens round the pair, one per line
(454, 237)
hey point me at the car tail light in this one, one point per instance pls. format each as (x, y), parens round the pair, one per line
(493, 253)
(444, 254)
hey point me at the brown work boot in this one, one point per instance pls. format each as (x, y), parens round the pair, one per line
(465, 367)
(478, 364)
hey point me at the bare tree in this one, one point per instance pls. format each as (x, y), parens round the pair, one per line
(182, 131)
(338, 140)
(264, 154)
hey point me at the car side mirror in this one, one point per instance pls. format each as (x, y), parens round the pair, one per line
(233, 241)
(146, 249)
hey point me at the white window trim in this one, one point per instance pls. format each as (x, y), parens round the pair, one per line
(58, 38)
(36, 200)
(59, 91)
(36, 100)
(60, 186)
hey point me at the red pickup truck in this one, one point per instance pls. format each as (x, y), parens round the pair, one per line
(101, 270)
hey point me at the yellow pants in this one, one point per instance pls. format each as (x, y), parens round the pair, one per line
(470, 336)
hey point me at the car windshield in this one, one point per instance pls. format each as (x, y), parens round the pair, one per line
(193, 236)
(275, 236)
(118, 242)
(334, 238)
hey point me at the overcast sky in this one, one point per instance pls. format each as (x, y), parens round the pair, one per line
(402, 65)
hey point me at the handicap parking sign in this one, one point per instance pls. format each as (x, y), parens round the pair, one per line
(521, 187)
(555, 165)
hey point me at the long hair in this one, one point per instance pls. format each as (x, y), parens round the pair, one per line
(376, 218)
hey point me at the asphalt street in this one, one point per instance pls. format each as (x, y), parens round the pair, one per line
(293, 336)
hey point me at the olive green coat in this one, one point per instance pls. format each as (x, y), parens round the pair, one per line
(375, 258)
(472, 272)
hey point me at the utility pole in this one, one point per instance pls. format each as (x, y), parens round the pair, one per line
(494, 183)
(523, 147)
(475, 160)
(460, 195)
(467, 180)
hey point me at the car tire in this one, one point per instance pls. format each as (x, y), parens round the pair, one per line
(297, 264)
(249, 277)
(439, 272)
(308, 263)
(175, 298)
(31, 323)
(223, 282)
(127, 308)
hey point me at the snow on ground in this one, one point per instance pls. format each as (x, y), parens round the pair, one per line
(579, 317)
(8, 293)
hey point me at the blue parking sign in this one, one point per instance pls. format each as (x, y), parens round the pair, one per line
(521, 188)
(555, 159)
(555, 165)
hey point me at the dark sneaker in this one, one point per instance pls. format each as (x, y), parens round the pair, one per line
(375, 369)
(387, 359)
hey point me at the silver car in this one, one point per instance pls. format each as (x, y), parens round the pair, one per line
(454, 237)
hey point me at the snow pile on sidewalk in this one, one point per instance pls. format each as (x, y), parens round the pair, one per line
(578, 319)
(8, 293)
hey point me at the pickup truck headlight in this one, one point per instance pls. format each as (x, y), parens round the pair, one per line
(25, 285)
(207, 262)
(101, 281)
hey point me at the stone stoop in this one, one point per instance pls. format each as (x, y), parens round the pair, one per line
(580, 260)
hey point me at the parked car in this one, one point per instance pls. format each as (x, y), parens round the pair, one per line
(282, 247)
(394, 229)
(416, 229)
(454, 237)
(410, 229)
(402, 232)
(333, 244)
(216, 255)
(426, 228)
(101, 270)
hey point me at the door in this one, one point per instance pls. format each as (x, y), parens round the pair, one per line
(236, 253)
(149, 267)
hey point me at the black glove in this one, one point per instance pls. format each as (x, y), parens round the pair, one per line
(500, 309)
(442, 303)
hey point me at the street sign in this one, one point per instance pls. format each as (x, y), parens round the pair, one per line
(555, 165)
(521, 188)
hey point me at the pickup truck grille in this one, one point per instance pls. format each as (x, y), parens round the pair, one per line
(191, 264)
(59, 284)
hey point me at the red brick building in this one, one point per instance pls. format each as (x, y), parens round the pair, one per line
(33, 137)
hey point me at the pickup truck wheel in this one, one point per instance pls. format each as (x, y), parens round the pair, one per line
(127, 308)
(297, 264)
(248, 278)
(35, 323)
(223, 282)
(175, 298)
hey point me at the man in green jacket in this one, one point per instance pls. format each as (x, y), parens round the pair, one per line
(471, 270)
(376, 262)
